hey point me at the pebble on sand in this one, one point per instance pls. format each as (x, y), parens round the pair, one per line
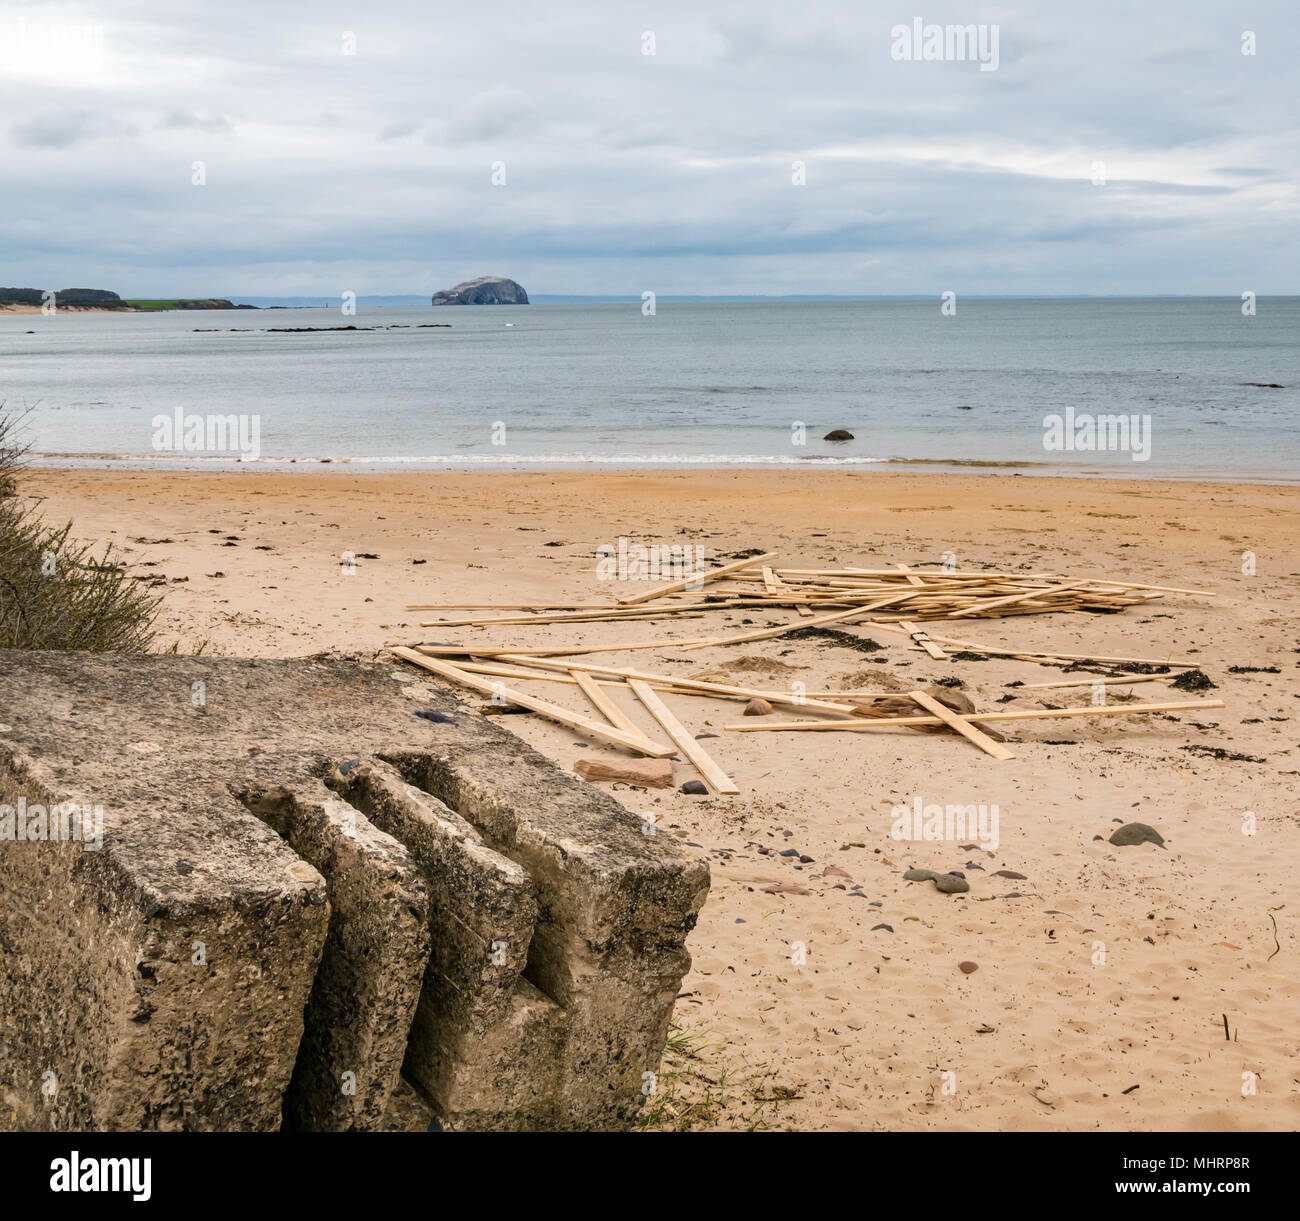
(1136, 833)
(945, 883)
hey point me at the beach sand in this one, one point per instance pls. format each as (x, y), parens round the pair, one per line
(1104, 976)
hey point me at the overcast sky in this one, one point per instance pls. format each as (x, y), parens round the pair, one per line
(372, 172)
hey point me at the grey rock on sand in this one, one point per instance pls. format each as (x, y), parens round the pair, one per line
(486, 290)
(945, 883)
(1132, 833)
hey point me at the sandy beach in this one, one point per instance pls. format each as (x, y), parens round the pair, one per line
(1105, 976)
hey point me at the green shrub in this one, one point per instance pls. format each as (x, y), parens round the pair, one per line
(53, 593)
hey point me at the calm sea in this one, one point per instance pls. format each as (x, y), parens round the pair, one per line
(713, 383)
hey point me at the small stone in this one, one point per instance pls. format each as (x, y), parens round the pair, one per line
(1011, 873)
(1132, 833)
(757, 707)
(968, 968)
(951, 698)
(789, 852)
(695, 787)
(652, 773)
(805, 860)
(889, 928)
(919, 875)
(950, 884)
(834, 871)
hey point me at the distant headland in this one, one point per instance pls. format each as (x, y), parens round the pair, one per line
(486, 290)
(24, 300)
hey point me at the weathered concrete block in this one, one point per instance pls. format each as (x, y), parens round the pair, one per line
(364, 995)
(409, 1111)
(155, 983)
(472, 1045)
(554, 1026)
(615, 905)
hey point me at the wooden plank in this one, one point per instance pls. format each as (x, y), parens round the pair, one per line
(1164, 589)
(774, 584)
(698, 684)
(912, 578)
(700, 579)
(548, 650)
(994, 651)
(637, 742)
(923, 639)
(1020, 715)
(1126, 681)
(961, 725)
(515, 606)
(604, 705)
(980, 607)
(815, 621)
(687, 611)
(714, 776)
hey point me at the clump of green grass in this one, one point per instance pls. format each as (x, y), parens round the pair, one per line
(697, 1090)
(54, 594)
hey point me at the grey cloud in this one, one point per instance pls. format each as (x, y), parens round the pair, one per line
(488, 115)
(211, 123)
(398, 130)
(66, 129)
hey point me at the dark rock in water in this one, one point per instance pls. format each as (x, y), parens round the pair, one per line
(1136, 833)
(695, 787)
(486, 290)
(838, 434)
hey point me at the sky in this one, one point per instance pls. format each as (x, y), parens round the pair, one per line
(396, 147)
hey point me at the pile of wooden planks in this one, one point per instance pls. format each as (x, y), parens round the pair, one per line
(893, 600)
(613, 726)
(901, 594)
